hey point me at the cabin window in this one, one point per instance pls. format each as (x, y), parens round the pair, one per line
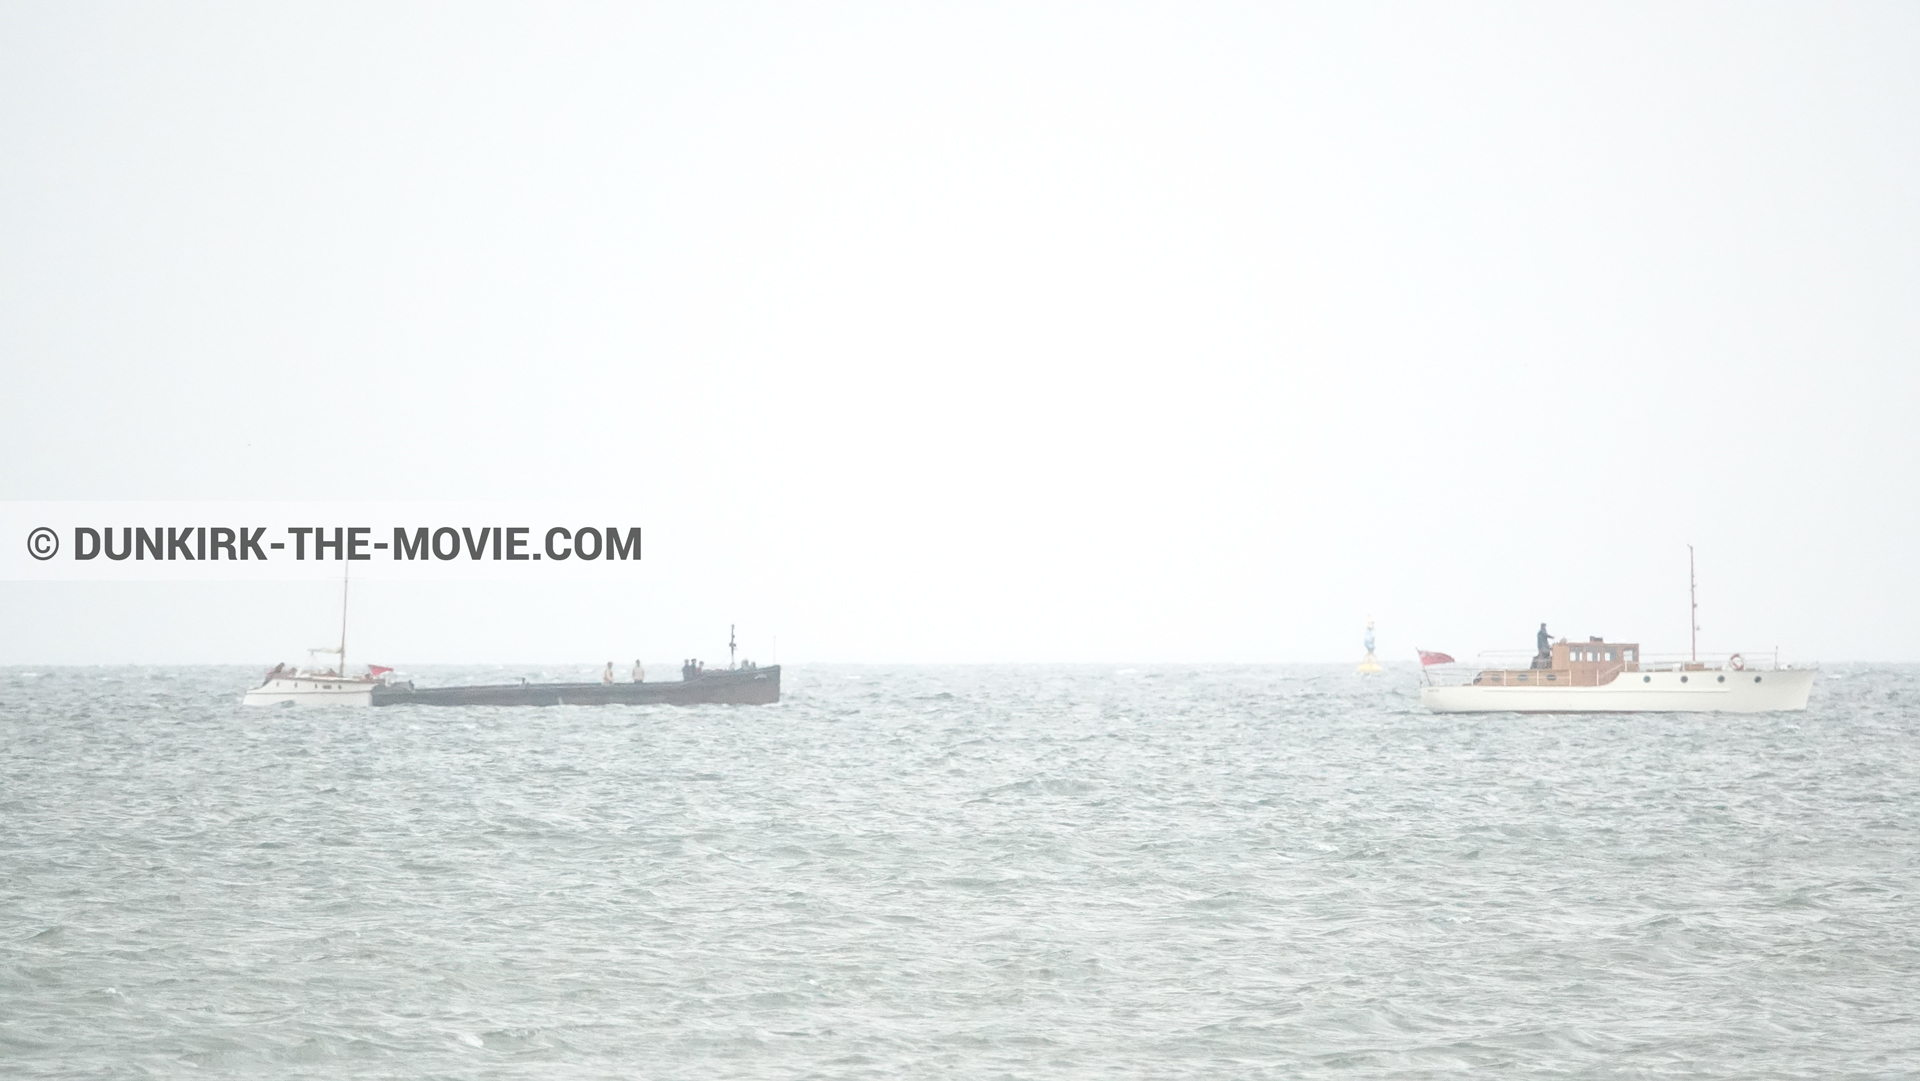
(1609, 654)
(1626, 654)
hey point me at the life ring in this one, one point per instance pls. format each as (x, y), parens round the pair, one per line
(1737, 663)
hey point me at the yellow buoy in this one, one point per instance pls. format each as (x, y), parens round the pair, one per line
(1370, 663)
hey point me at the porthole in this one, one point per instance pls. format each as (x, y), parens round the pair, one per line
(1646, 679)
(1722, 679)
(1683, 679)
(1756, 679)
(1550, 675)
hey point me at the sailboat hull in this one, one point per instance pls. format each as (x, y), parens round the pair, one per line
(311, 691)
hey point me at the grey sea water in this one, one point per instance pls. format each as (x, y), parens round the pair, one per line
(975, 872)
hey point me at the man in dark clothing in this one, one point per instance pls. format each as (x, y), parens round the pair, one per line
(1544, 643)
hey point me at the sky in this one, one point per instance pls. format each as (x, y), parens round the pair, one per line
(987, 332)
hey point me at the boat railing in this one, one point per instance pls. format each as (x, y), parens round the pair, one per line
(1514, 668)
(1460, 675)
(1757, 660)
(1586, 675)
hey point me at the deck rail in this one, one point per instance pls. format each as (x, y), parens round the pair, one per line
(1513, 668)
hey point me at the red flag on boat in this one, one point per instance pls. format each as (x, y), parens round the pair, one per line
(1427, 658)
(376, 670)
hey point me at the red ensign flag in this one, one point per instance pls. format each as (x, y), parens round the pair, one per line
(1427, 658)
(376, 670)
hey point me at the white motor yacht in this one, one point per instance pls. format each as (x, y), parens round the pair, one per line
(1597, 676)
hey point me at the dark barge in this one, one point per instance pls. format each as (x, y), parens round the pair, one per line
(726, 686)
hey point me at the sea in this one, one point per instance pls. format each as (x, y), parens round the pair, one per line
(1151, 871)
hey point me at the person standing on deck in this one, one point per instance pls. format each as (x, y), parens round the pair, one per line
(1543, 648)
(639, 673)
(606, 677)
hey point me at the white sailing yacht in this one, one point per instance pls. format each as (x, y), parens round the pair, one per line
(316, 684)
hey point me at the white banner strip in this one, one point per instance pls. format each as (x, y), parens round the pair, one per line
(149, 541)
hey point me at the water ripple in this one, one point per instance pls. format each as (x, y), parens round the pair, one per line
(1050, 873)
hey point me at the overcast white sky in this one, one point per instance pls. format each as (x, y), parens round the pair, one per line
(986, 332)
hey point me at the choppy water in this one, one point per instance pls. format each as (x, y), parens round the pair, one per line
(1037, 873)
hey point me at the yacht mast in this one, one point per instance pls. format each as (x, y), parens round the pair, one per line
(1693, 607)
(344, 573)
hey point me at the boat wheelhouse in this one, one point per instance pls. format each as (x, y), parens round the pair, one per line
(1593, 663)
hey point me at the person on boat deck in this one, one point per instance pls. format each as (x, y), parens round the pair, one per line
(639, 673)
(607, 676)
(1543, 644)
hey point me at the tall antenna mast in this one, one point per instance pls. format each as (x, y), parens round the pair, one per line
(730, 645)
(1693, 606)
(344, 574)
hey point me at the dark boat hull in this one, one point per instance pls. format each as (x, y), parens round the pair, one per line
(740, 687)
